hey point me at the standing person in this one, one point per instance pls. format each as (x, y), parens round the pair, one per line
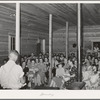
(96, 48)
(11, 74)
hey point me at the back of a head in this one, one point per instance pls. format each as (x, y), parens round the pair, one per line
(13, 55)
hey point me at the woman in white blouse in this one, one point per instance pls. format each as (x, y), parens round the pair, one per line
(57, 81)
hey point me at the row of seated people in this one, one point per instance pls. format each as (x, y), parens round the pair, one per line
(91, 71)
(37, 71)
(64, 71)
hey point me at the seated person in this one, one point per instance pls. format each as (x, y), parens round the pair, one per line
(32, 74)
(94, 78)
(67, 75)
(73, 74)
(58, 80)
(92, 81)
(85, 76)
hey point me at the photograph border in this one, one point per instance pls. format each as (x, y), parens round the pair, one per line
(49, 94)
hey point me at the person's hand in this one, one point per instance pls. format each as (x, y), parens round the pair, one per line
(23, 80)
(23, 84)
(73, 75)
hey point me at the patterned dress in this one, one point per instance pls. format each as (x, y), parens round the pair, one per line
(73, 70)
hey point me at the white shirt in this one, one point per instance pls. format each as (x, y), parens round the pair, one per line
(60, 72)
(94, 78)
(96, 49)
(54, 63)
(10, 75)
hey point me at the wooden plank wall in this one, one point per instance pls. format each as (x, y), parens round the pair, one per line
(28, 42)
(28, 39)
(90, 33)
(5, 29)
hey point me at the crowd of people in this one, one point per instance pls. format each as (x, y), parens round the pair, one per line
(62, 72)
(91, 70)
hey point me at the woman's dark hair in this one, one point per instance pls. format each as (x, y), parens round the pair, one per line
(32, 60)
(42, 59)
(60, 64)
(63, 64)
(73, 62)
(96, 66)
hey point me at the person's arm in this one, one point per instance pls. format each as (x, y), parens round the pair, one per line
(72, 75)
(87, 79)
(57, 73)
(23, 80)
(21, 75)
(66, 75)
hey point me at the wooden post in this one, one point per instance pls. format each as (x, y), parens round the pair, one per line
(50, 46)
(17, 46)
(79, 47)
(67, 36)
(43, 46)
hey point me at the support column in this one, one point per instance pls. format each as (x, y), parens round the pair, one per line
(50, 46)
(17, 46)
(67, 40)
(79, 42)
(43, 45)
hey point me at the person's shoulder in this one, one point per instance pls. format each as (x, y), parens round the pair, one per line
(1, 67)
(18, 66)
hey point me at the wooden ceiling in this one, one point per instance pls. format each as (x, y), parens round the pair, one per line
(36, 16)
